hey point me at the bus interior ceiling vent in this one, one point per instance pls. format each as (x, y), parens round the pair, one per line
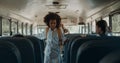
(56, 5)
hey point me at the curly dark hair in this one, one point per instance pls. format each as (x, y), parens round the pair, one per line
(102, 24)
(52, 16)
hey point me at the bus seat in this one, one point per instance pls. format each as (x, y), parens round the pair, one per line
(38, 48)
(25, 46)
(67, 47)
(113, 57)
(9, 53)
(82, 39)
(93, 51)
(77, 43)
(74, 47)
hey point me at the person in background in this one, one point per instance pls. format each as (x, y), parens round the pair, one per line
(101, 27)
(54, 38)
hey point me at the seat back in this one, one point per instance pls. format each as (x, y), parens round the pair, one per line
(77, 43)
(38, 48)
(25, 47)
(113, 57)
(79, 40)
(9, 53)
(93, 51)
(67, 47)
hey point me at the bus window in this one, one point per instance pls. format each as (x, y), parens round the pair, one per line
(107, 20)
(73, 29)
(116, 23)
(5, 27)
(28, 29)
(93, 27)
(14, 27)
(24, 29)
(40, 29)
(20, 28)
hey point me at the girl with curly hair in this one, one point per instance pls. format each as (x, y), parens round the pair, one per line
(54, 38)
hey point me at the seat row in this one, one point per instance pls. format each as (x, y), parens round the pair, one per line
(90, 48)
(28, 49)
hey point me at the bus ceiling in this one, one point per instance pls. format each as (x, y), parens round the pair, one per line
(33, 11)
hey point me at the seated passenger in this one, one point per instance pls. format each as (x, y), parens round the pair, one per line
(54, 38)
(101, 27)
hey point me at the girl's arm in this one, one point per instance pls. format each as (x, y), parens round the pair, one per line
(64, 39)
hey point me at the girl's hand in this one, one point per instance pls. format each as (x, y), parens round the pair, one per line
(65, 30)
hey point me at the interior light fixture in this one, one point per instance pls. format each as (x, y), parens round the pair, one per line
(56, 5)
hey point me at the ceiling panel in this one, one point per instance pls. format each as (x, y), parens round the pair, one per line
(13, 4)
(35, 10)
(97, 3)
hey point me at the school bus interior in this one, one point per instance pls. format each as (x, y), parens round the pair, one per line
(22, 30)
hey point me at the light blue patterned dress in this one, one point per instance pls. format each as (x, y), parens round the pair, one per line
(52, 49)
